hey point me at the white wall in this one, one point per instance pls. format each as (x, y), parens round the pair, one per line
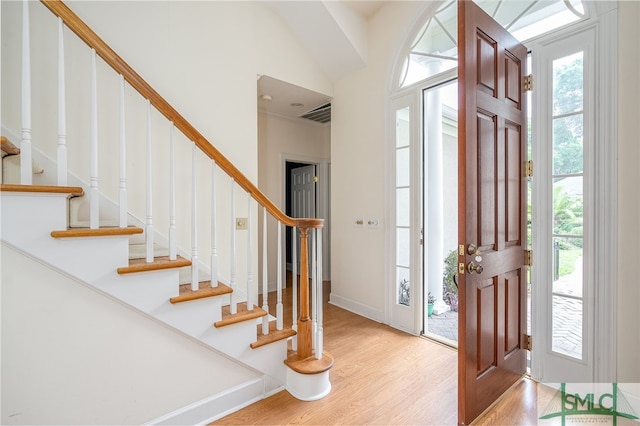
(283, 139)
(359, 135)
(202, 57)
(73, 356)
(628, 191)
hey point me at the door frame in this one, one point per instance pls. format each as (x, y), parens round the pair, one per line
(603, 23)
(323, 195)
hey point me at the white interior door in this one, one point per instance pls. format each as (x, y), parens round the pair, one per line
(303, 196)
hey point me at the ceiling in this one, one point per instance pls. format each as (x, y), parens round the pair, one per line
(330, 46)
(287, 100)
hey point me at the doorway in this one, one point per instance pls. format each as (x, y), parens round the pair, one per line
(301, 199)
(440, 207)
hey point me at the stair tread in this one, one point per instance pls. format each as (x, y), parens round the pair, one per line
(103, 231)
(309, 365)
(243, 314)
(74, 191)
(273, 336)
(160, 262)
(204, 290)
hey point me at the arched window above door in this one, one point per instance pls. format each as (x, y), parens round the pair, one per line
(434, 48)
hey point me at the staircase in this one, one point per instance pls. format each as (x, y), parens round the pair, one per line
(76, 229)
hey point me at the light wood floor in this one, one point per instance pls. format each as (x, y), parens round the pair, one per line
(383, 376)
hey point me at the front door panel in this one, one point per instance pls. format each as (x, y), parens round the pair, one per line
(492, 211)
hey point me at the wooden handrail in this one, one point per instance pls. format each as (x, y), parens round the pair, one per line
(75, 24)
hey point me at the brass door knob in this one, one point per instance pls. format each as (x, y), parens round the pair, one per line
(474, 267)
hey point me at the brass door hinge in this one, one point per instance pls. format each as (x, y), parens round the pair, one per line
(528, 258)
(528, 83)
(528, 342)
(315, 179)
(528, 168)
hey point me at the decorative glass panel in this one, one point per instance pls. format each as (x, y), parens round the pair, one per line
(567, 326)
(568, 84)
(404, 287)
(434, 50)
(402, 128)
(568, 145)
(567, 266)
(567, 206)
(402, 167)
(402, 207)
(404, 239)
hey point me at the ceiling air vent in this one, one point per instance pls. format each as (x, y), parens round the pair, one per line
(322, 114)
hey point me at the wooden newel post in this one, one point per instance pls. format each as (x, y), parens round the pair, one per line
(304, 320)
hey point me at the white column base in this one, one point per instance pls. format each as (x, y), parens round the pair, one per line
(308, 387)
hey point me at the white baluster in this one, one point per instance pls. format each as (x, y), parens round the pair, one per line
(265, 276)
(279, 310)
(62, 115)
(320, 330)
(294, 285)
(194, 221)
(26, 173)
(314, 290)
(123, 161)
(148, 230)
(173, 249)
(94, 194)
(250, 301)
(214, 249)
(233, 308)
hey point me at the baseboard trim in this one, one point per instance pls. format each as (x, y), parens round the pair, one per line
(216, 406)
(357, 307)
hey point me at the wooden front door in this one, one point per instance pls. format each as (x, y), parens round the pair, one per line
(492, 211)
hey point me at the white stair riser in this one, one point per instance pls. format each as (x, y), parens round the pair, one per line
(195, 317)
(28, 221)
(147, 291)
(28, 217)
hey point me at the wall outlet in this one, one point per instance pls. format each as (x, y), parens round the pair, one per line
(358, 222)
(241, 223)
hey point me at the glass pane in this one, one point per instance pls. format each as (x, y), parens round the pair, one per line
(402, 207)
(568, 145)
(567, 206)
(404, 287)
(568, 87)
(402, 127)
(403, 247)
(435, 48)
(567, 326)
(402, 167)
(567, 266)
